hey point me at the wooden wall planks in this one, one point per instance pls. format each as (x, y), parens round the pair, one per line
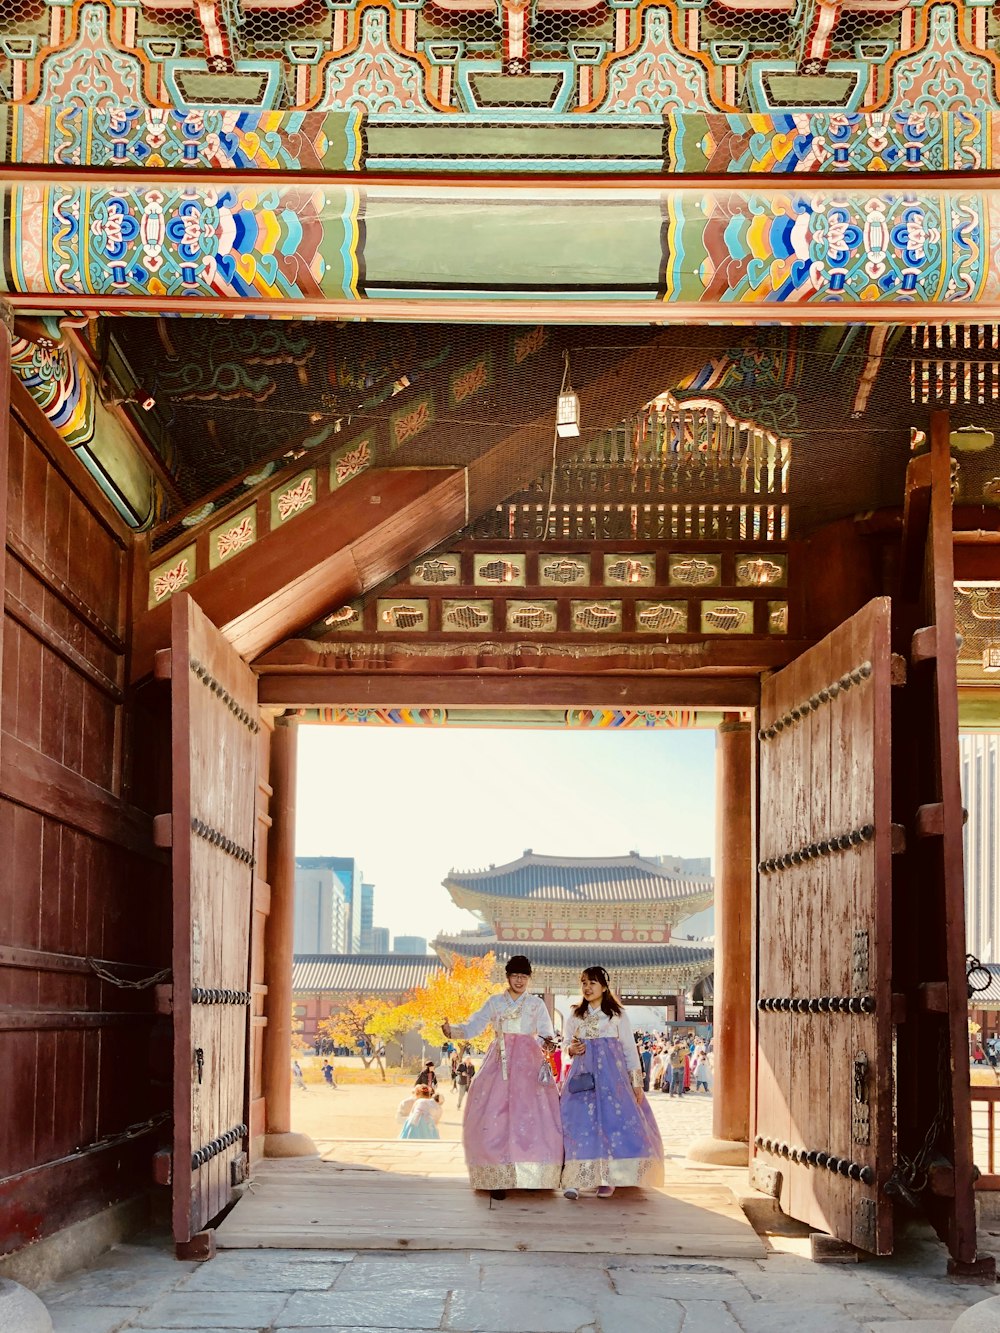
(75, 1048)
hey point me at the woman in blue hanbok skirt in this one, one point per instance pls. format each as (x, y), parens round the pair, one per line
(422, 1122)
(609, 1132)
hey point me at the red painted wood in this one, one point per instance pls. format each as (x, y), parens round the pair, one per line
(76, 1048)
(32, 779)
(345, 543)
(329, 687)
(261, 907)
(929, 930)
(67, 1188)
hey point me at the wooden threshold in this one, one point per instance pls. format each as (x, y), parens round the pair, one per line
(322, 1205)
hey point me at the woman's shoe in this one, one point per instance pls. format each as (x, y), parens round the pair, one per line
(498, 1194)
(605, 1191)
(571, 1194)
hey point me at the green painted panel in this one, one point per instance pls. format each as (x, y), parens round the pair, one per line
(522, 141)
(544, 243)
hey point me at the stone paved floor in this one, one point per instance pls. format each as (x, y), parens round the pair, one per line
(141, 1287)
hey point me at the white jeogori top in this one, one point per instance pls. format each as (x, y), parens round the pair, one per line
(598, 1024)
(527, 1015)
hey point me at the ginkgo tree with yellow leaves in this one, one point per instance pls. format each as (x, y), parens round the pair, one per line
(451, 995)
(365, 1024)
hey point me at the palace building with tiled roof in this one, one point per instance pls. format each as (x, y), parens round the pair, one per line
(322, 982)
(567, 913)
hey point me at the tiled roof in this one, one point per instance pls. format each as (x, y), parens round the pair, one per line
(580, 879)
(380, 973)
(582, 953)
(990, 997)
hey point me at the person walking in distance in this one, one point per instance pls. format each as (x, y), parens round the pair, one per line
(465, 1072)
(676, 1061)
(511, 1131)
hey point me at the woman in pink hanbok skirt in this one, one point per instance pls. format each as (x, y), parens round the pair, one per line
(512, 1132)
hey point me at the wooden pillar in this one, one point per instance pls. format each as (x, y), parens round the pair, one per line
(279, 1140)
(681, 1008)
(549, 1000)
(5, 374)
(733, 933)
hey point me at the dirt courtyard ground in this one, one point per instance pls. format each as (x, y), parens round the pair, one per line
(362, 1111)
(368, 1110)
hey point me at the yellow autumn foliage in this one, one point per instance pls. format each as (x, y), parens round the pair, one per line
(453, 996)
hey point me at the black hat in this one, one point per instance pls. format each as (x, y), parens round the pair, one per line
(518, 964)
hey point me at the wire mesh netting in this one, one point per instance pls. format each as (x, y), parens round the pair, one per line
(683, 432)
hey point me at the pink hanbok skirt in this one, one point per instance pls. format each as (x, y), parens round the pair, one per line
(512, 1131)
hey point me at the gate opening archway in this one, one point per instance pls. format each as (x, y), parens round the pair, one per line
(448, 556)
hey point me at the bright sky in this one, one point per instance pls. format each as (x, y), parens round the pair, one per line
(412, 803)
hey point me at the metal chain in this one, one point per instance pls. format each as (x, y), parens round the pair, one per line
(121, 982)
(914, 1173)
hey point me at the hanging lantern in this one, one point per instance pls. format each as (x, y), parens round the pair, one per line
(567, 415)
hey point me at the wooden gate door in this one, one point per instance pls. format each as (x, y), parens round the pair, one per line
(823, 1124)
(214, 730)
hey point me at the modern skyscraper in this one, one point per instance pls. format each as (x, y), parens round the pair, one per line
(409, 944)
(321, 914)
(979, 754)
(380, 939)
(367, 917)
(346, 871)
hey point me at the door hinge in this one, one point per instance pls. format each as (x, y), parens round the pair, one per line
(860, 1111)
(859, 969)
(864, 1225)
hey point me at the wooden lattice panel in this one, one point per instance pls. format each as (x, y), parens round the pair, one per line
(824, 1111)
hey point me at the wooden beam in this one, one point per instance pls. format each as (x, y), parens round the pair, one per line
(392, 655)
(337, 689)
(56, 643)
(5, 378)
(32, 779)
(345, 544)
(916, 517)
(940, 595)
(977, 562)
(65, 461)
(78, 348)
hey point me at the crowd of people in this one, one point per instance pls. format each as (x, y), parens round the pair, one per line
(675, 1064)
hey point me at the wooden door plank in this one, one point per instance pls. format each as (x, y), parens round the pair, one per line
(821, 780)
(215, 786)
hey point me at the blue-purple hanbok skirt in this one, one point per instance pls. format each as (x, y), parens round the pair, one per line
(609, 1137)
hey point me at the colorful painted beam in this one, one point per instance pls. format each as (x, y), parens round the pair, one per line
(65, 389)
(562, 719)
(694, 253)
(153, 139)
